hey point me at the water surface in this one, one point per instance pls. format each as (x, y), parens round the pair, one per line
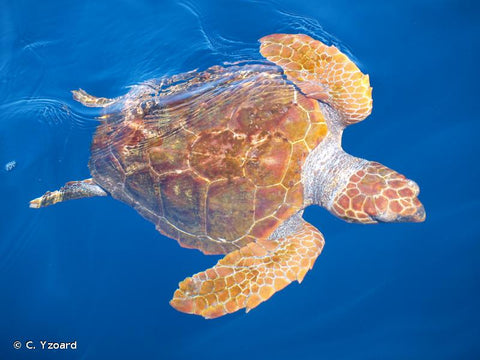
(94, 271)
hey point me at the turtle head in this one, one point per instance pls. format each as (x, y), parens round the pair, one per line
(376, 193)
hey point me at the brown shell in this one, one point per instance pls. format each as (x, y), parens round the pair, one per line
(214, 159)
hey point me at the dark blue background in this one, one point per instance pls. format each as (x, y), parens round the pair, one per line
(94, 271)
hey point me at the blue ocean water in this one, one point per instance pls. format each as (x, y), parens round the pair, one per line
(94, 271)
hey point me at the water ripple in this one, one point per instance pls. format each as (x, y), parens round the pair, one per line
(215, 42)
(52, 112)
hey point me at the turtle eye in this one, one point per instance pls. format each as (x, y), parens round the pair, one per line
(377, 193)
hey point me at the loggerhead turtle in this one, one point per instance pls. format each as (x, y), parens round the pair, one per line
(225, 161)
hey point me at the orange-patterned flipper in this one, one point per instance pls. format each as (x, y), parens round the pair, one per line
(321, 72)
(246, 277)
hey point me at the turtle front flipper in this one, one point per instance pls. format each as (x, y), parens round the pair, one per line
(248, 276)
(70, 191)
(321, 72)
(91, 101)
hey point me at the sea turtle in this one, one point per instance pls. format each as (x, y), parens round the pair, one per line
(225, 160)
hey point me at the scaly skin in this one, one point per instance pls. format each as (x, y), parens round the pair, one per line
(91, 101)
(70, 191)
(377, 193)
(249, 276)
(322, 72)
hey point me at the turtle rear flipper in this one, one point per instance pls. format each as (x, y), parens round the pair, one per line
(321, 72)
(70, 191)
(251, 275)
(91, 101)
